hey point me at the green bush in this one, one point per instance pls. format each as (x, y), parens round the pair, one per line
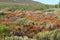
(57, 10)
(58, 36)
(18, 38)
(58, 17)
(43, 35)
(21, 21)
(2, 13)
(52, 35)
(2, 28)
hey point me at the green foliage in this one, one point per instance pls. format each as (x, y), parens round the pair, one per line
(57, 10)
(50, 10)
(58, 36)
(38, 12)
(52, 35)
(2, 28)
(18, 38)
(2, 13)
(22, 15)
(21, 21)
(58, 17)
(43, 35)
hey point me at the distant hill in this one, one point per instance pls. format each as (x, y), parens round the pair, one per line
(27, 4)
(20, 1)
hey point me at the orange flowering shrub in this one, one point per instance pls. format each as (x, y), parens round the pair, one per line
(33, 24)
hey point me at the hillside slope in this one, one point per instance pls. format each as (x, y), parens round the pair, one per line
(19, 1)
(22, 4)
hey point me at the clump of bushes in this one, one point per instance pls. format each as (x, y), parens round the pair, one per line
(53, 35)
(58, 36)
(2, 13)
(18, 38)
(57, 11)
(4, 31)
(2, 28)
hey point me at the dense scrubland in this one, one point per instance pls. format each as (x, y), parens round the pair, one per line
(29, 21)
(30, 24)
